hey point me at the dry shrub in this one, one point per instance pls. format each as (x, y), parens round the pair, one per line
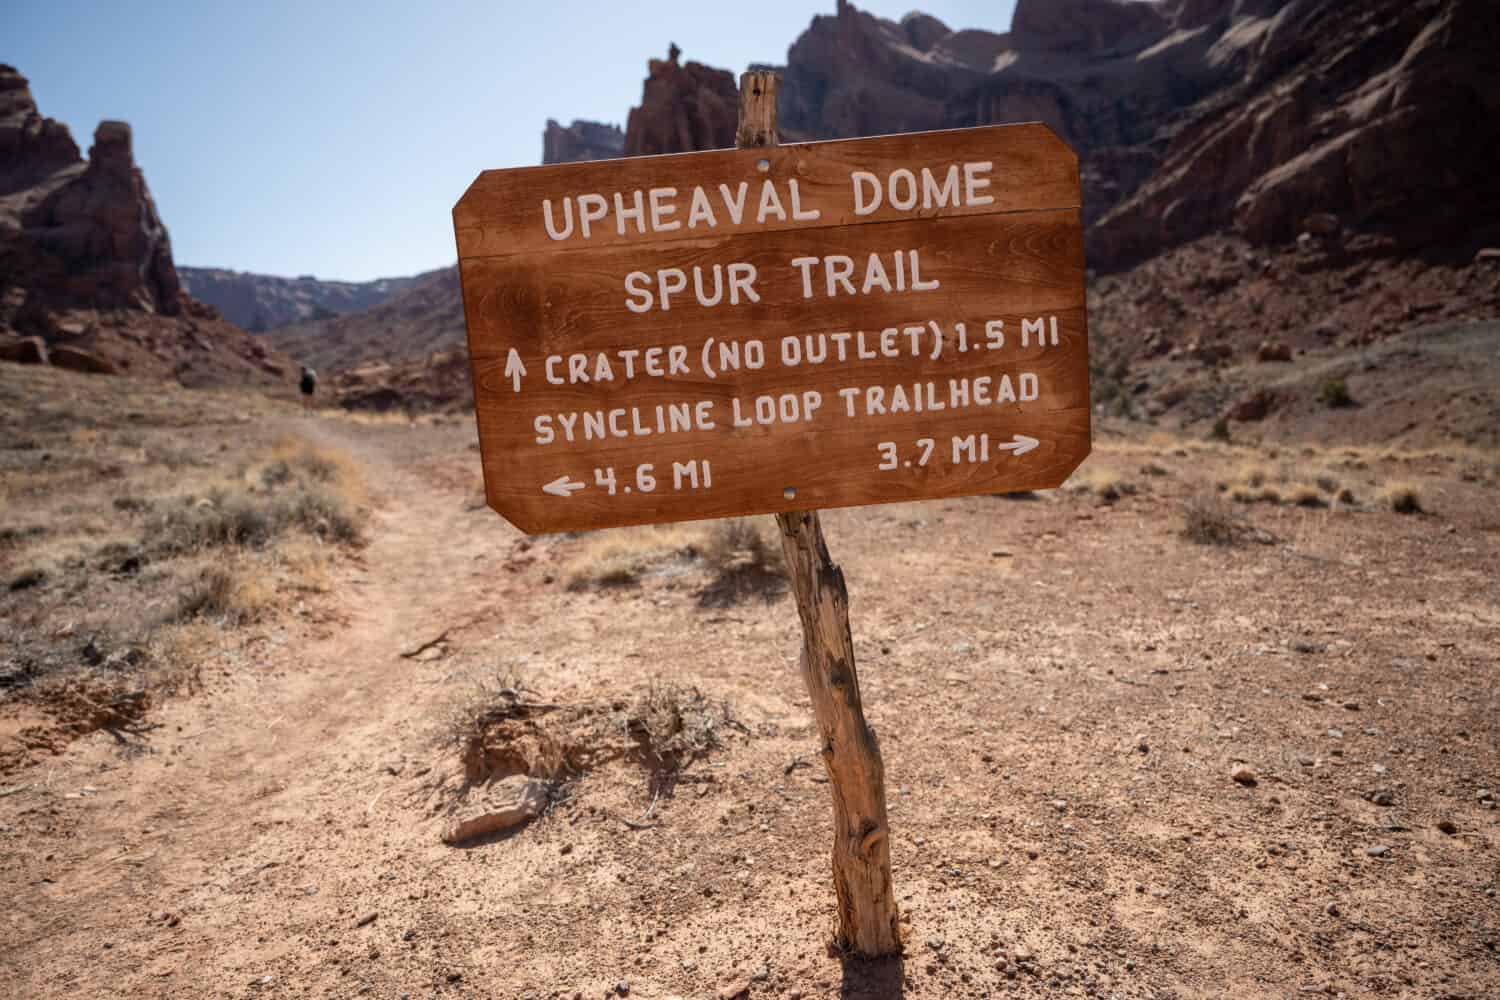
(502, 731)
(1208, 521)
(1304, 495)
(294, 459)
(1245, 493)
(484, 699)
(299, 488)
(228, 594)
(1335, 394)
(1104, 483)
(1403, 498)
(677, 723)
(304, 560)
(177, 653)
(745, 562)
(27, 578)
(240, 518)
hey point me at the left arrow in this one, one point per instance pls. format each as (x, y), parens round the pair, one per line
(514, 369)
(562, 486)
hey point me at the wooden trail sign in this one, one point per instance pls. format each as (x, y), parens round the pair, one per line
(772, 329)
(918, 295)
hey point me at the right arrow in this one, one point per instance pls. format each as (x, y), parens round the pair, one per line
(1020, 446)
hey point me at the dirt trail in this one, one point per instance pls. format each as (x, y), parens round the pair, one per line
(142, 840)
(1062, 686)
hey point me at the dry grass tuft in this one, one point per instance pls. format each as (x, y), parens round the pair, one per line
(298, 488)
(621, 556)
(1290, 482)
(1403, 498)
(231, 594)
(240, 518)
(482, 700)
(1208, 521)
(677, 722)
(1107, 484)
(1304, 495)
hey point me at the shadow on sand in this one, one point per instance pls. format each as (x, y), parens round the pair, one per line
(874, 979)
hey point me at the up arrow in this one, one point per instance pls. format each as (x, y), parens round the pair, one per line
(514, 370)
(562, 486)
(1020, 446)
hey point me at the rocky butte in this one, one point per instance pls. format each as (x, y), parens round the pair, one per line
(87, 279)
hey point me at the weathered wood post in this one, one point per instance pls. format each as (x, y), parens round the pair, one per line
(868, 920)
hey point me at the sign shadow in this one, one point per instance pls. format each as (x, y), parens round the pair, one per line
(874, 978)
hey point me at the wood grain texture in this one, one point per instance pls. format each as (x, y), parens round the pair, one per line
(868, 920)
(502, 214)
(1005, 268)
(1025, 263)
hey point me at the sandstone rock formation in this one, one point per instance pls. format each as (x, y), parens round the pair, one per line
(853, 74)
(683, 108)
(31, 147)
(1379, 112)
(581, 140)
(96, 237)
(1085, 29)
(86, 264)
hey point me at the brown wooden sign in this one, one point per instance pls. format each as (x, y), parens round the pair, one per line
(747, 331)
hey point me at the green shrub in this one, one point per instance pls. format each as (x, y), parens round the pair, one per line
(1335, 394)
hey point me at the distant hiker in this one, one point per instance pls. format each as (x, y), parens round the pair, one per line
(309, 386)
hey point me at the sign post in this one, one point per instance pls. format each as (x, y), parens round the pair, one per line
(868, 921)
(777, 329)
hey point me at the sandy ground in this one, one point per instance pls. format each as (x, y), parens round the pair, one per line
(1062, 690)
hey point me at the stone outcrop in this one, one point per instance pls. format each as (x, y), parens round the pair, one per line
(96, 238)
(1085, 29)
(581, 140)
(86, 265)
(683, 108)
(437, 382)
(852, 73)
(31, 147)
(24, 350)
(78, 233)
(1377, 113)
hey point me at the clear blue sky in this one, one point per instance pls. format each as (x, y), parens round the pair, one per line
(333, 138)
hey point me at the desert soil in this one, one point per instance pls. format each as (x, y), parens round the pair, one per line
(1063, 690)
